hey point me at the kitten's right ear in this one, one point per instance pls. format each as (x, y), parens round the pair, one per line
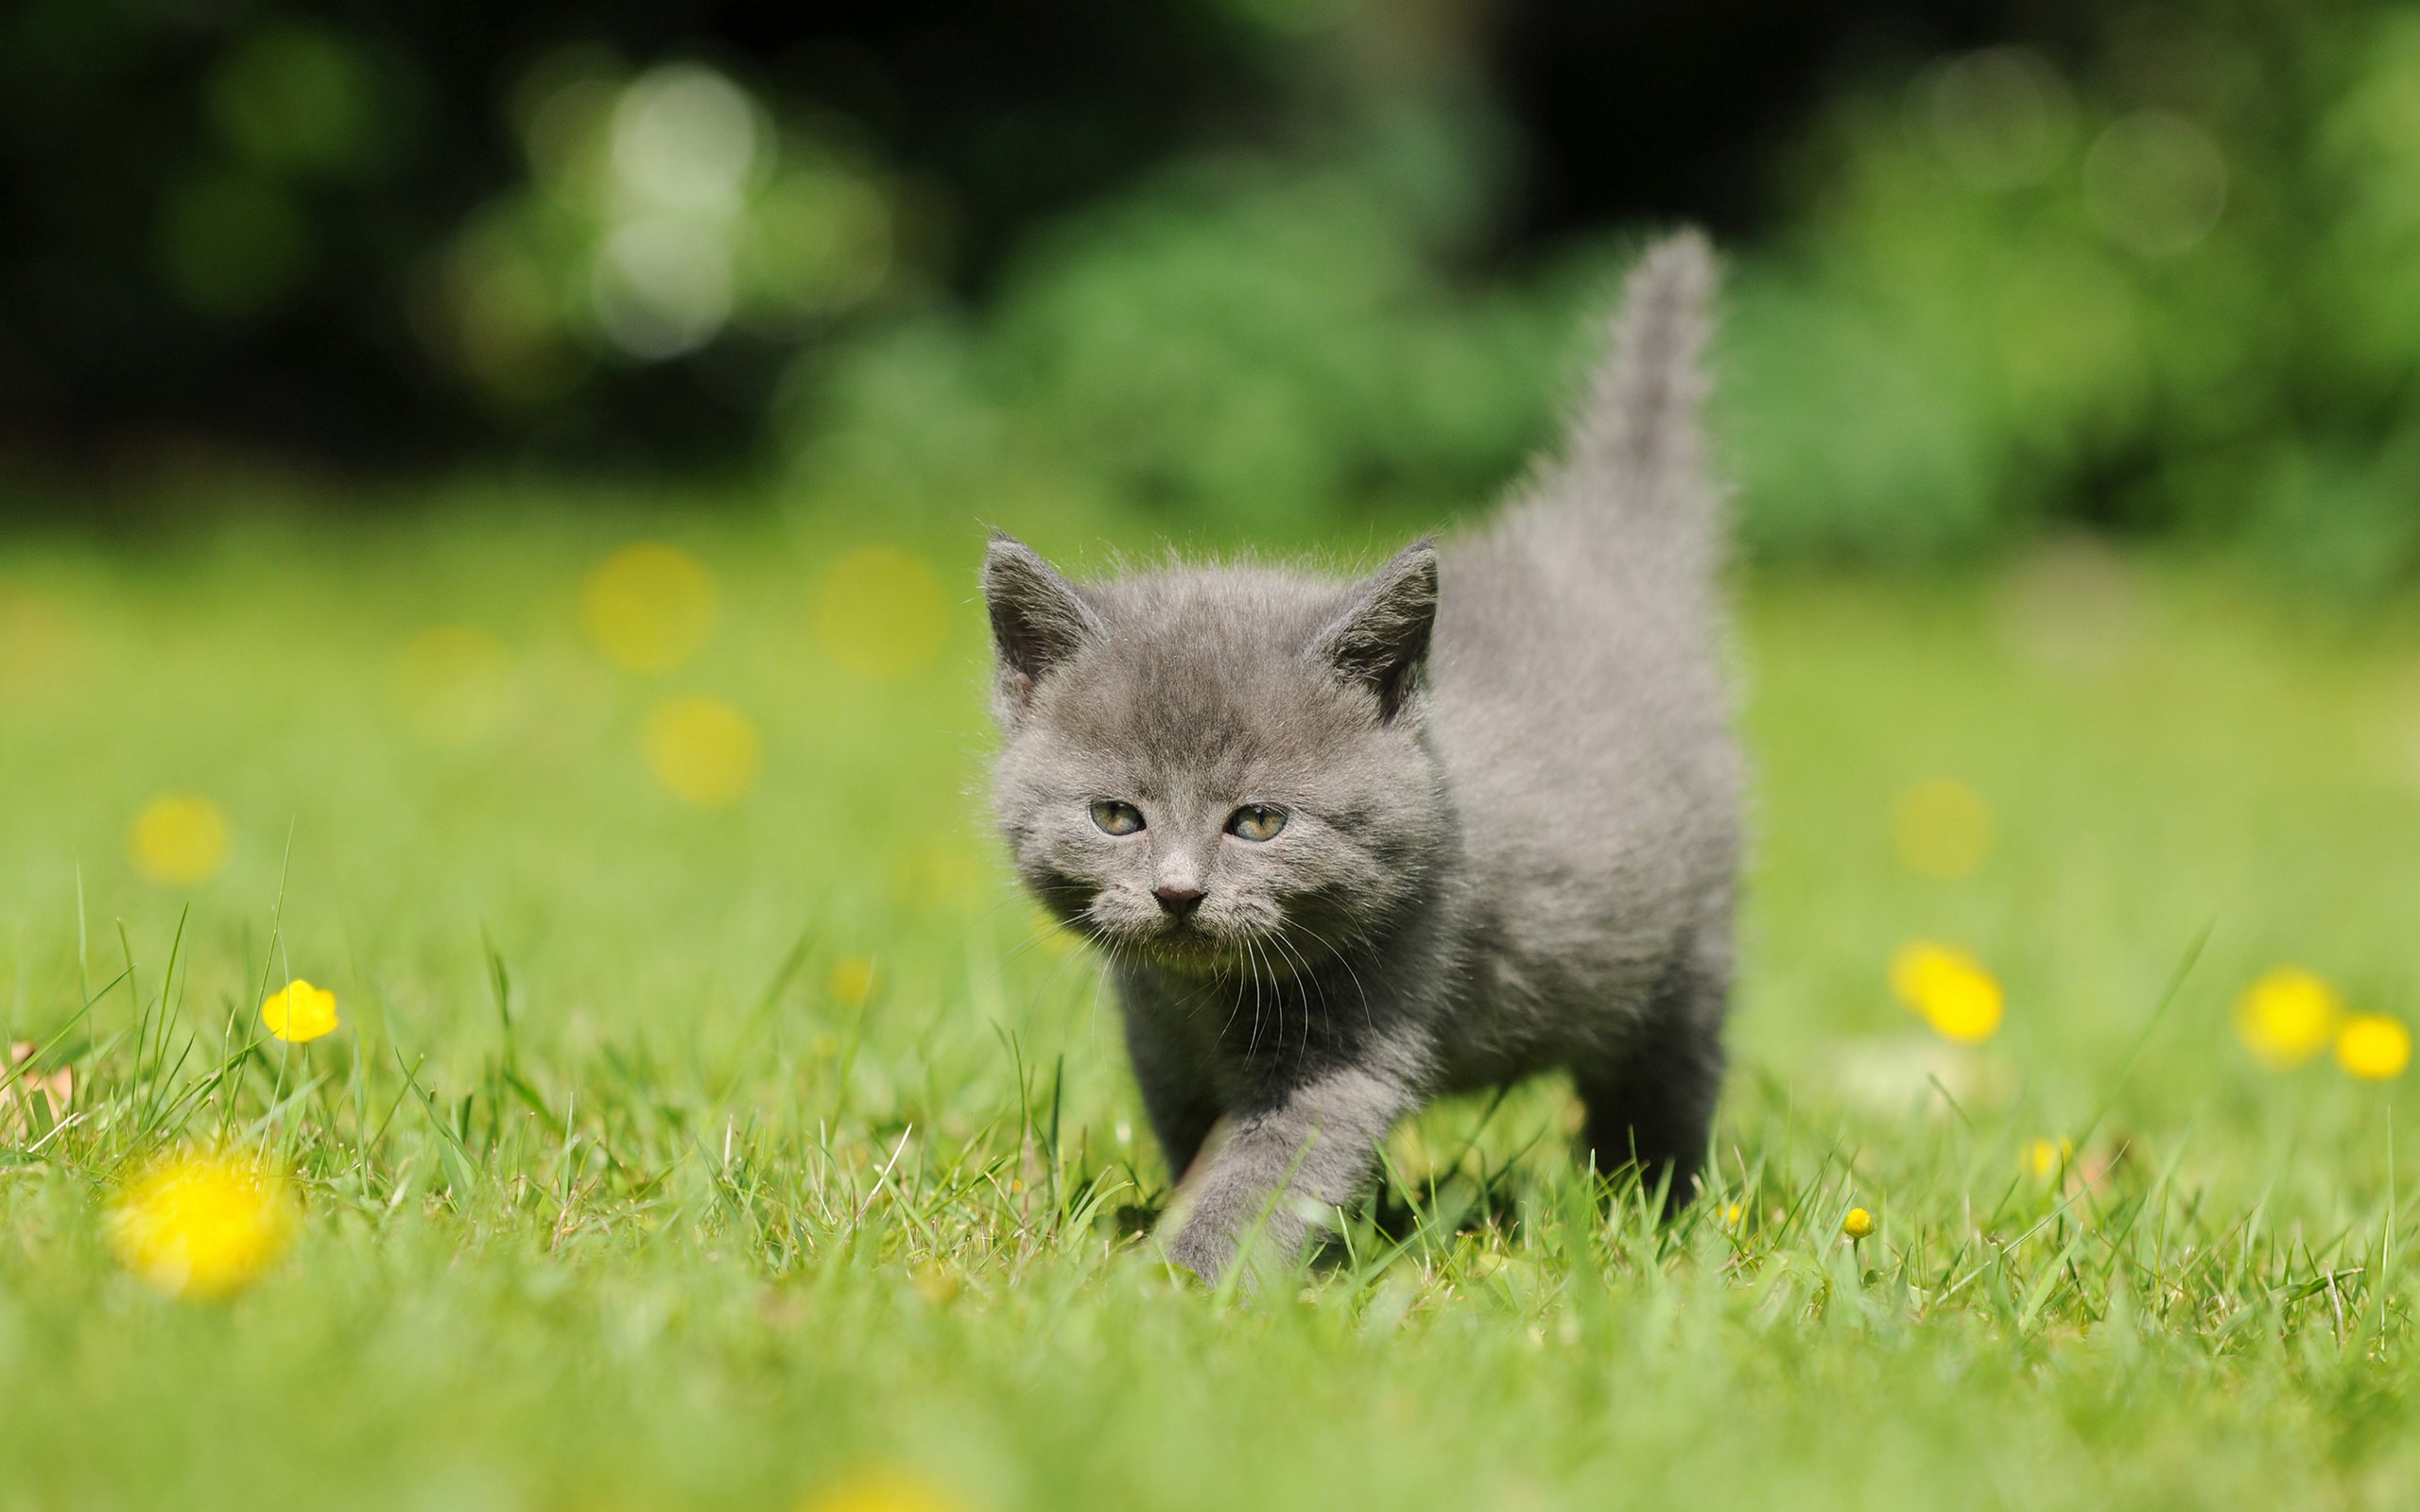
(1038, 621)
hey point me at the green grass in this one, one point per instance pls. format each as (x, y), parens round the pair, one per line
(678, 1224)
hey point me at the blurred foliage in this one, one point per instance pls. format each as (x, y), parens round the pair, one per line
(2146, 271)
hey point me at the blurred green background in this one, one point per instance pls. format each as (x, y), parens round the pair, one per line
(2152, 270)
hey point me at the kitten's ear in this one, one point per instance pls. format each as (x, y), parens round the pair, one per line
(1381, 641)
(1038, 621)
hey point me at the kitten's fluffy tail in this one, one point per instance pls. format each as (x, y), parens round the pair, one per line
(1640, 443)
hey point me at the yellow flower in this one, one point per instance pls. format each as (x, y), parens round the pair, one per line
(649, 607)
(879, 613)
(298, 1013)
(2374, 1047)
(851, 982)
(179, 840)
(1951, 987)
(1942, 829)
(704, 750)
(883, 1491)
(2287, 1016)
(1858, 1223)
(202, 1225)
(2044, 1157)
(1732, 1214)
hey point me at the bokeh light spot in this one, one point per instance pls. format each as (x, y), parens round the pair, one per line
(2287, 1016)
(882, 1491)
(2156, 182)
(202, 1225)
(2043, 1158)
(648, 606)
(2374, 1047)
(179, 840)
(1950, 988)
(456, 684)
(879, 613)
(851, 981)
(703, 750)
(1942, 829)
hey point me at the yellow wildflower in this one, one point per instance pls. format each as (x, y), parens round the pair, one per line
(2044, 1157)
(2287, 1016)
(179, 840)
(704, 750)
(298, 1013)
(1951, 987)
(851, 982)
(1732, 1214)
(1942, 829)
(648, 606)
(2374, 1047)
(883, 1491)
(1858, 1223)
(202, 1225)
(879, 613)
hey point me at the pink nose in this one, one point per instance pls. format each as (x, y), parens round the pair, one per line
(1178, 900)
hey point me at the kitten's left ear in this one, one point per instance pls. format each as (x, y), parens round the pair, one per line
(1381, 641)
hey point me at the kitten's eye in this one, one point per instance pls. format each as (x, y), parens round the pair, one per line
(1256, 821)
(1116, 818)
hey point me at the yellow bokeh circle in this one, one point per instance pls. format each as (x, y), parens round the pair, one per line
(703, 750)
(2374, 1047)
(456, 683)
(179, 840)
(202, 1225)
(648, 606)
(1942, 829)
(1950, 988)
(2287, 1016)
(879, 612)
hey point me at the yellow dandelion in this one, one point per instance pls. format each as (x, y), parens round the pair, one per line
(179, 840)
(2374, 1047)
(851, 982)
(202, 1225)
(1732, 1214)
(2287, 1016)
(1951, 988)
(2044, 1159)
(298, 1013)
(1942, 829)
(879, 612)
(887, 1490)
(648, 606)
(1857, 1224)
(704, 750)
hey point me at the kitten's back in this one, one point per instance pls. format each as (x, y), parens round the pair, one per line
(1579, 702)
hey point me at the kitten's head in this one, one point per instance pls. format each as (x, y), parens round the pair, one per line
(1205, 768)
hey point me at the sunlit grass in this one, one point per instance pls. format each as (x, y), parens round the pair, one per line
(757, 1147)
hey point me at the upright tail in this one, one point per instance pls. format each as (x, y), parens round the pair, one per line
(1639, 446)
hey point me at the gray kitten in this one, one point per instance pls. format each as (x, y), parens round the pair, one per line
(1352, 845)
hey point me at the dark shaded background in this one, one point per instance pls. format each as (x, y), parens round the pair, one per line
(2144, 269)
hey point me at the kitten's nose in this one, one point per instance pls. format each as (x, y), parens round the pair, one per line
(1178, 901)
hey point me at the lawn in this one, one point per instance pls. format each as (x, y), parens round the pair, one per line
(759, 1149)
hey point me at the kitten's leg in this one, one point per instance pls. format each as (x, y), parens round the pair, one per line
(1310, 1148)
(1651, 1102)
(1178, 1096)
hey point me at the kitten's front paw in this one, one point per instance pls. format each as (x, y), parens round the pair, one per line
(1203, 1250)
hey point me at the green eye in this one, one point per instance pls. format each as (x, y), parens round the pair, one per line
(1256, 821)
(1116, 818)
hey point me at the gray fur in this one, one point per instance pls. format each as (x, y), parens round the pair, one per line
(1512, 802)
